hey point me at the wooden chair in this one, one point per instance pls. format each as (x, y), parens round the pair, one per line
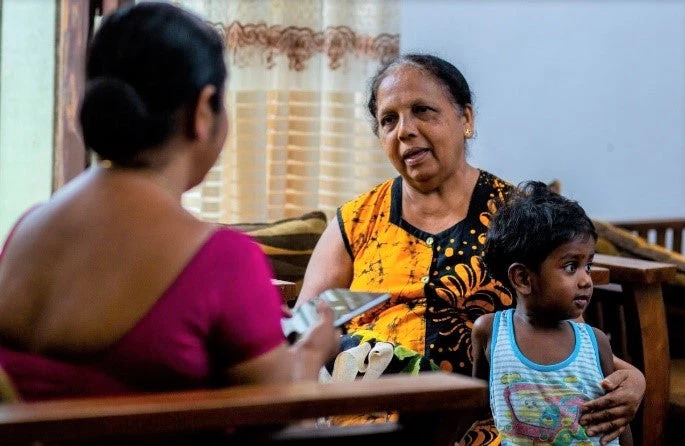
(434, 409)
(631, 311)
(669, 234)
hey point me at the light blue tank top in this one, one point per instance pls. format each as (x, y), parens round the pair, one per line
(536, 404)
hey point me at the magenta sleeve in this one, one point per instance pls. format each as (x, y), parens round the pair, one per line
(248, 305)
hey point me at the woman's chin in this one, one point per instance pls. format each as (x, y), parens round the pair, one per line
(422, 177)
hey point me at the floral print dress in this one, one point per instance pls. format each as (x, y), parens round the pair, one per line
(438, 282)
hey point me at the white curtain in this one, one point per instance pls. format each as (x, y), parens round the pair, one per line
(300, 137)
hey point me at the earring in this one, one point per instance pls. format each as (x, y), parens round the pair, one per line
(467, 132)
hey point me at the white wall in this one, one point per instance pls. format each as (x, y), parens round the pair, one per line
(27, 71)
(588, 92)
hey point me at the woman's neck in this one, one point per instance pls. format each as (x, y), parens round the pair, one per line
(440, 207)
(165, 179)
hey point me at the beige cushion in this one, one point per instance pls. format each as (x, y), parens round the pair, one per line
(287, 243)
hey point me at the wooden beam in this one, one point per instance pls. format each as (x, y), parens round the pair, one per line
(433, 407)
(72, 39)
(74, 29)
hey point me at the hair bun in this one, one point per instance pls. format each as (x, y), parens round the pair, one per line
(113, 118)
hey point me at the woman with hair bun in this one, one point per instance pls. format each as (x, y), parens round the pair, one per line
(111, 286)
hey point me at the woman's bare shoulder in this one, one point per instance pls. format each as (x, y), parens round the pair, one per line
(90, 255)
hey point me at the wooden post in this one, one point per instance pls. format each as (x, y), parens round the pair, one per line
(72, 39)
(75, 22)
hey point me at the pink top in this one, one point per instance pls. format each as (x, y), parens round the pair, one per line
(222, 309)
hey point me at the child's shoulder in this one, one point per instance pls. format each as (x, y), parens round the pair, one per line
(483, 325)
(600, 336)
(603, 346)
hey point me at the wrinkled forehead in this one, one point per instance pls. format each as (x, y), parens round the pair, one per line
(408, 78)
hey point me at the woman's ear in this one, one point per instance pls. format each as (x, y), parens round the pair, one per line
(467, 121)
(204, 116)
(519, 276)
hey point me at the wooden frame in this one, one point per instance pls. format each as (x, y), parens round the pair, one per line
(434, 409)
(74, 29)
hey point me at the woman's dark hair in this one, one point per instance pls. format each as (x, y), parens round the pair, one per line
(146, 67)
(451, 78)
(529, 226)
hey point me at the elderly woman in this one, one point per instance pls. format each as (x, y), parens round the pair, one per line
(420, 236)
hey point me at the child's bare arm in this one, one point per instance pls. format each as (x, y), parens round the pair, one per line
(606, 359)
(480, 342)
(480, 346)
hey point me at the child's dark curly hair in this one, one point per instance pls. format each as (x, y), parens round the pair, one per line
(532, 223)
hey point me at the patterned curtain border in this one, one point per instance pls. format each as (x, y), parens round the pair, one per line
(300, 44)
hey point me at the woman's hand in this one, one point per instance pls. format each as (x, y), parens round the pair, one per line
(318, 345)
(610, 414)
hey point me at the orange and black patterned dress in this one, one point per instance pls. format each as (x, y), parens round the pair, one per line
(438, 282)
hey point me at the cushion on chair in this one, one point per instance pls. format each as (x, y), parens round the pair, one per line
(287, 243)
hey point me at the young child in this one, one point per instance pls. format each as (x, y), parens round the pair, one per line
(541, 364)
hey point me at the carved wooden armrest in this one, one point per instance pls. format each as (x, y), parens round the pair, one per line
(629, 270)
(433, 407)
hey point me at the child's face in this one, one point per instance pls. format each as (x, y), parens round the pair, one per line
(562, 288)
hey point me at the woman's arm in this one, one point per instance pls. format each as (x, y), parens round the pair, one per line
(609, 414)
(246, 311)
(480, 343)
(606, 359)
(301, 361)
(330, 265)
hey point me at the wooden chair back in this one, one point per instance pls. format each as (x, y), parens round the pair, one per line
(666, 233)
(434, 409)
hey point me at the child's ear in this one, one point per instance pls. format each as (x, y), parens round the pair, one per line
(519, 276)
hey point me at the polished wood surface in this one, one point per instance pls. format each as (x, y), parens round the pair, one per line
(600, 275)
(448, 402)
(625, 269)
